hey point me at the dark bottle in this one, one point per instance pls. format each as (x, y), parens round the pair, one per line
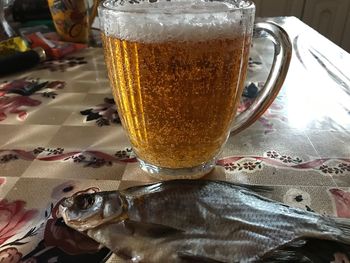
(27, 10)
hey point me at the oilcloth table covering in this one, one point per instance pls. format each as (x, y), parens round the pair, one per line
(60, 135)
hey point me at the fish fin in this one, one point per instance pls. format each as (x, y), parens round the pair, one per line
(150, 229)
(344, 225)
(306, 251)
(255, 188)
(286, 253)
(191, 258)
(284, 257)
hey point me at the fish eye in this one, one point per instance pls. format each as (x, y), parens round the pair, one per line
(84, 201)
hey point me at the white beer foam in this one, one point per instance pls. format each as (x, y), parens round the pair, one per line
(173, 21)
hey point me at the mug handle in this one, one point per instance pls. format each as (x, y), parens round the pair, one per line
(93, 12)
(273, 85)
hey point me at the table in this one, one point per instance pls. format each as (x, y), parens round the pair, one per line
(60, 134)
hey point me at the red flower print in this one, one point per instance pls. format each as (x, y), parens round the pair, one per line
(10, 255)
(15, 96)
(13, 217)
(70, 241)
(15, 84)
(342, 202)
(16, 105)
(340, 258)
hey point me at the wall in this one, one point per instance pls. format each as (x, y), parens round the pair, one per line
(329, 17)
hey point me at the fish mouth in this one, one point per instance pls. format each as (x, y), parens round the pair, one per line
(78, 223)
(67, 202)
(62, 209)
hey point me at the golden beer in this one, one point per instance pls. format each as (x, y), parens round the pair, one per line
(177, 99)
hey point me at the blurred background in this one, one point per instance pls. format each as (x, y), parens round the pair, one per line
(329, 17)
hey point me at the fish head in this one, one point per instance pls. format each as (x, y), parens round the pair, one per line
(87, 211)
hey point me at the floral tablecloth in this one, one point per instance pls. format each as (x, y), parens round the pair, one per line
(60, 135)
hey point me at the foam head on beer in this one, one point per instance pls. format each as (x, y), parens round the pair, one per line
(175, 20)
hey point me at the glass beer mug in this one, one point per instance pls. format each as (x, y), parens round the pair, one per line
(177, 70)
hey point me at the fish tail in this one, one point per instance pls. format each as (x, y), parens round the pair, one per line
(343, 225)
